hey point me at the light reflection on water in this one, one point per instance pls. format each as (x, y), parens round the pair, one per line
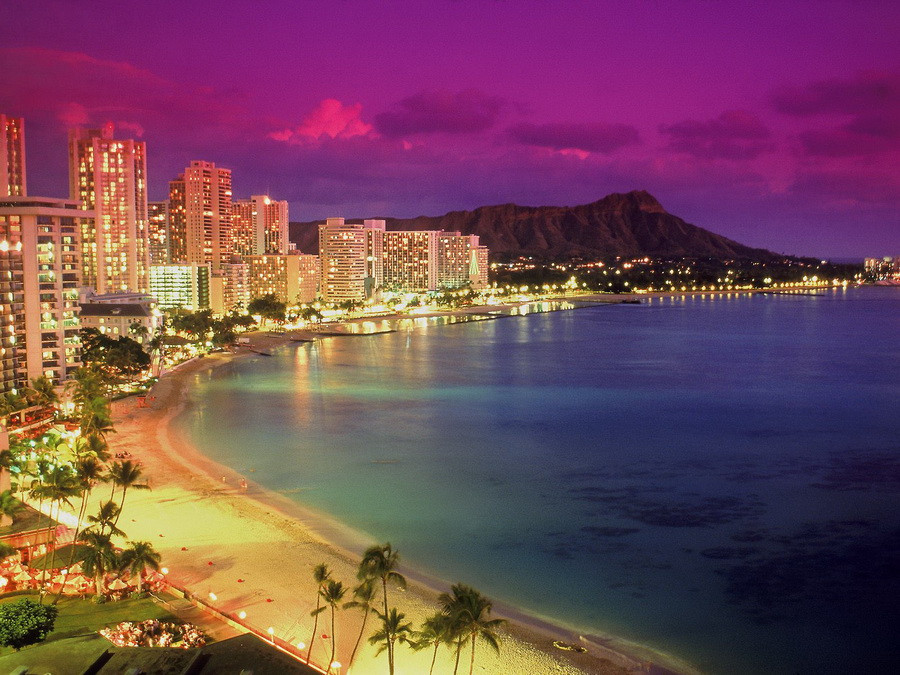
(713, 475)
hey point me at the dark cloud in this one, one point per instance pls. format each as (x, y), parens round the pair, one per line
(734, 135)
(858, 95)
(600, 138)
(464, 112)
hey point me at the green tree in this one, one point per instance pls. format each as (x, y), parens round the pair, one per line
(98, 557)
(379, 562)
(105, 520)
(11, 402)
(392, 630)
(126, 474)
(321, 574)
(42, 392)
(89, 472)
(469, 612)
(268, 307)
(332, 593)
(59, 487)
(10, 507)
(363, 599)
(95, 417)
(139, 557)
(436, 630)
(25, 623)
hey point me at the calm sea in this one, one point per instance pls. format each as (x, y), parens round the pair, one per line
(715, 477)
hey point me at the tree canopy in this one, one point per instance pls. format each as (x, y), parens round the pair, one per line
(25, 623)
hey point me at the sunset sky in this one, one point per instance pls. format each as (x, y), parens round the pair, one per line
(773, 123)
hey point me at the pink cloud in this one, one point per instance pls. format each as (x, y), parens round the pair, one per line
(464, 112)
(857, 94)
(331, 119)
(733, 135)
(577, 139)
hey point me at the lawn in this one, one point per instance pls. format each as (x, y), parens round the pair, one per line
(74, 643)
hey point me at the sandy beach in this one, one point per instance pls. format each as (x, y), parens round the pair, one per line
(255, 550)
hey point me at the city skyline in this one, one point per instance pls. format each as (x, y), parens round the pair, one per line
(775, 126)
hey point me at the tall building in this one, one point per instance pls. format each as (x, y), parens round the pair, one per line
(462, 262)
(348, 255)
(411, 261)
(293, 279)
(158, 232)
(12, 157)
(200, 216)
(229, 290)
(40, 273)
(184, 285)
(259, 226)
(109, 177)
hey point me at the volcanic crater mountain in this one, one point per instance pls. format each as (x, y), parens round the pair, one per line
(628, 225)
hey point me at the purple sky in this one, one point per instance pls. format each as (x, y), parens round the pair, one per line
(773, 123)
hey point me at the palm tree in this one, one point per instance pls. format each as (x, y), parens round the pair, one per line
(89, 472)
(364, 597)
(332, 593)
(42, 392)
(321, 574)
(139, 557)
(99, 557)
(106, 518)
(436, 630)
(85, 384)
(378, 562)
(93, 445)
(392, 630)
(94, 417)
(125, 474)
(469, 611)
(60, 485)
(9, 507)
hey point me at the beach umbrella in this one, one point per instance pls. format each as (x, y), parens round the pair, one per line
(76, 568)
(75, 579)
(22, 576)
(17, 568)
(117, 585)
(59, 579)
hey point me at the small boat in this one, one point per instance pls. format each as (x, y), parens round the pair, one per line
(569, 647)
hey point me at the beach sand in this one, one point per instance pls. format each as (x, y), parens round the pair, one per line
(255, 550)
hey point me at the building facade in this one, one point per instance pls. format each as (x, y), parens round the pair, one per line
(120, 320)
(12, 157)
(462, 262)
(158, 232)
(109, 177)
(185, 286)
(410, 261)
(200, 216)
(293, 279)
(259, 226)
(229, 290)
(40, 274)
(342, 252)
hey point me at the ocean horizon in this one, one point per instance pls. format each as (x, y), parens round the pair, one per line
(714, 477)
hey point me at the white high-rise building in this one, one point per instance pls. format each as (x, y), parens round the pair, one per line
(40, 274)
(348, 255)
(109, 177)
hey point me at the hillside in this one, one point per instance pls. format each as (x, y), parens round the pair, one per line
(628, 225)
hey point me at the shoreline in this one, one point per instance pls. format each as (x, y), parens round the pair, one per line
(200, 504)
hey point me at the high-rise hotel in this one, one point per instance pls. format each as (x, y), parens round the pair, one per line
(40, 273)
(349, 259)
(259, 226)
(200, 216)
(109, 177)
(12, 157)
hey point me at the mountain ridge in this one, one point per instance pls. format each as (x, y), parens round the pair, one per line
(620, 224)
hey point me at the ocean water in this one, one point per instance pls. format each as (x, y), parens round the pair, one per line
(716, 477)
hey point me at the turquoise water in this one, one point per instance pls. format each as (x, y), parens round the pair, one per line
(715, 477)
